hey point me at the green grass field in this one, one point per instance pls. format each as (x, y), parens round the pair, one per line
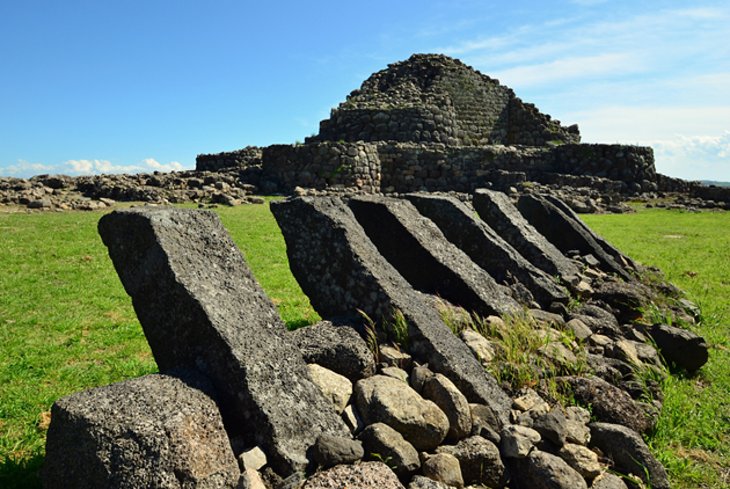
(66, 324)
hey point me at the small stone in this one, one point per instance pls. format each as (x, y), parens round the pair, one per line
(443, 467)
(421, 482)
(383, 442)
(530, 401)
(251, 479)
(479, 460)
(452, 402)
(331, 450)
(419, 375)
(608, 481)
(518, 441)
(335, 387)
(396, 373)
(582, 459)
(479, 345)
(352, 419)
(558, 353)
(485, 423)
(551, 427)
(544, 470)
(252, 459)
(366, 475)
(579, 329)
(395, 358)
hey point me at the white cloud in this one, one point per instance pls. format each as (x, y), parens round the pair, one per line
(25, 168)
(167, 167)
(694, 157)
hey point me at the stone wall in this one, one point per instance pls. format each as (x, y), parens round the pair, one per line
(343, 166)
(712, 192)
(242, 158)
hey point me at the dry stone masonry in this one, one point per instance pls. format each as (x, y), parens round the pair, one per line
(406, 382)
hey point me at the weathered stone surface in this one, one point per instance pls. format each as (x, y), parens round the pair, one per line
(496, 209)
(680, 346)
(331, 450)
(608, 403)
(518, 441)
(580, 330)
(479, 345)
(381, 399)
(608, 481)
(254, 459)
(421, 482)
(396, 373)
(394, 357)
(446, 396)
(352, 419)
(420, 252)
(419, 375)
(365, 475)
(443, 467)
(582, 459)
(626, 299)
(341, 271)
(336, 347)
(544, 470)
(153, 431)
(598, 319)
(552, 426)
(251, 479)
(479, 460)
(382, 441)
(563, 229)
(485, 247)
(201, 308)
(485, 423)
(335, 387)
(629, 453)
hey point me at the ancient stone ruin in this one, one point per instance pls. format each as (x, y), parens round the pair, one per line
(407, 381)
(429, 123)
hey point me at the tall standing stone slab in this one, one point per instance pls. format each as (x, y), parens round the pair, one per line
(565, 231)
(201, 308)
(420, 252)
(341, 271)
(483, 245)
(497, 210)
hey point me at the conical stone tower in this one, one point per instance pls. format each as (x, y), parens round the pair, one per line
(435, 98)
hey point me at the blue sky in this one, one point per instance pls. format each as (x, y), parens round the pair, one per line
(127, 85)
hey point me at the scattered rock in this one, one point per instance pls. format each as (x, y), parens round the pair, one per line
(608, 481)
(383, 442)
(518, 441)
(331, 450)
(479, 460)
(544, 470)
(479, 345)
(680, 346)
(446, 396)
(365, 475)
(443, 467)
(254, 459)
(335, 387)
(582, 459)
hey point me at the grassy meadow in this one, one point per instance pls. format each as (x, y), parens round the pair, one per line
(66, 324)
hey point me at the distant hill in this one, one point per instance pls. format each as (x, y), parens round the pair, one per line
(716, 184)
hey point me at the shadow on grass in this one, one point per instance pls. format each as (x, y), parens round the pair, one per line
(21, 473)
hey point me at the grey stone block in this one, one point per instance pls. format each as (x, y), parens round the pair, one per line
(420, 252)
(497, 210)
(155, 431)
(341, 272)
(485, 247)
(201, 308)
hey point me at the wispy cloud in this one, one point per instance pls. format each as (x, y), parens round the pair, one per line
(23, 167)
(155, 165)
(695, 157)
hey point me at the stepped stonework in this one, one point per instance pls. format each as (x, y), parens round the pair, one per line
(462, 342)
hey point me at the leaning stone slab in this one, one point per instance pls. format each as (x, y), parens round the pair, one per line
(420, 252)
(201, 308)
(485, 247)
(565, 231)
(154, 431)
(342, 273)
(497, 210)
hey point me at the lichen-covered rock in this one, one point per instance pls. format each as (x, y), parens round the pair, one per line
(443, 467)
(383, 442)
(336, 347)
(629, 453)
(381, 399)
(444, 393)
(365, 475)
(154, 431)
(479, 460)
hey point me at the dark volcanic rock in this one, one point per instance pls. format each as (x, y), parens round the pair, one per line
(626, 299)
(338, 348)
(342, 272)
(331, 450)
(608, 403)
(546, 471)
(629, 453)
(679, 346)
(153, 431)
(201, 308)
(420, 252)
(497, 210)
(486, 247)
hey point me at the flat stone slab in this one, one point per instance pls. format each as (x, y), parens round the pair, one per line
(342, 272)
(201, 308)
(420, 252)
(153, 431)
(565, 230)
(485, 247)
(496, 209)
